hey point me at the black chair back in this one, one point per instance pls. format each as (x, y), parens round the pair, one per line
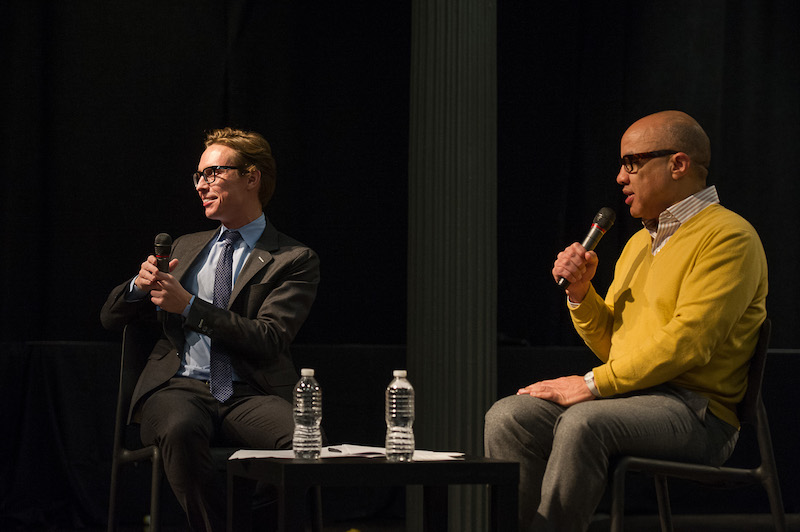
(749, 407)
(138, 340)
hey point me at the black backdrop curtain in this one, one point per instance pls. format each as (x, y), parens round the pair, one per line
(105, 104)
(57, 442)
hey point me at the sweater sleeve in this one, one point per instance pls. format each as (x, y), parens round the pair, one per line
(594, 321)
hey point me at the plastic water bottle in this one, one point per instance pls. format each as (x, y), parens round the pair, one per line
(307, 442)
(399, 418)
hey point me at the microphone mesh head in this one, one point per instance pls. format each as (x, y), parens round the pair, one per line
(163, 239)
(163, 244)
(605, 218)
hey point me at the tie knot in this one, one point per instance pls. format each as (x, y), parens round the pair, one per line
(230, 237)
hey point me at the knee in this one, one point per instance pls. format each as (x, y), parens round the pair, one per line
(500, 416)
(573, 425)
(176, 432)
(504, 421)
(186, 429)
(495, 426)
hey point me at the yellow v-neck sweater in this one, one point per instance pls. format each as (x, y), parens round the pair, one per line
(688, 316)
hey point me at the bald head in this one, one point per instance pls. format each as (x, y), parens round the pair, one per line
(677, 131)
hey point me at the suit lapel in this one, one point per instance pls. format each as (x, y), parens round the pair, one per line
(195, 243)
(259, 258)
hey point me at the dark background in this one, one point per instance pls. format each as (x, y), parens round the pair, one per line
(104, 105)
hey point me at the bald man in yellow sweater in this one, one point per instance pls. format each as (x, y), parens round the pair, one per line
(674, 335)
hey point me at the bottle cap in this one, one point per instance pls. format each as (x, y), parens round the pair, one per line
(306, 372)
(400, 373)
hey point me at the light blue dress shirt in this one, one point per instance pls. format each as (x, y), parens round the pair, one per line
(199, 280)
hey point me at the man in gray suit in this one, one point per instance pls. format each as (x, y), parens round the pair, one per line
(234, 300)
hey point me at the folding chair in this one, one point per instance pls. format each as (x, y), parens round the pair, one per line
(751, 412)
(138, 340)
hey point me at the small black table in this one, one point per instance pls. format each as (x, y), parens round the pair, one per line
(293, 478)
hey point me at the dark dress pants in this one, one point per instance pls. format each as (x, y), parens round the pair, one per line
(185, 420)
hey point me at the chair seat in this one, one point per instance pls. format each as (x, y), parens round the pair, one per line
(722, 477)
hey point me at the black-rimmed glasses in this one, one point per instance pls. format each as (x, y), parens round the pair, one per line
(631, 161)
(210, 174)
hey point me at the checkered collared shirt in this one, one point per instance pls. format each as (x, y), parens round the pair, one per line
(671, 219)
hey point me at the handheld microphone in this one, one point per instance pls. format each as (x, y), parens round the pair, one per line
(163, 248)
(602, 222)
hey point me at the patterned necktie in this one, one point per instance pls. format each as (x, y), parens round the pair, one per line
(221, 372)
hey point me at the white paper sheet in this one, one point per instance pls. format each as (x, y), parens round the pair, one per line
(347, 450)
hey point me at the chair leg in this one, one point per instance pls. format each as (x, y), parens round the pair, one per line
(112, 497)
(773, 489)
(776, 504)
(664, 510)
(769, 471)
(618, 497)
(155, 491)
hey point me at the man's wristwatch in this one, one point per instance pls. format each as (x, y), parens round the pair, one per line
(589, 380)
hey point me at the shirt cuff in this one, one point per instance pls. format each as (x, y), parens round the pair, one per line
(185, 312)
(134, 294)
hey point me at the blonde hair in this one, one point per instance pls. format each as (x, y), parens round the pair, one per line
(252, 151)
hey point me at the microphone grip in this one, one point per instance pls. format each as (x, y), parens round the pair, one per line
(163, 248)
(589, 243)
(163, 264)
(602, 222)
(594, 236)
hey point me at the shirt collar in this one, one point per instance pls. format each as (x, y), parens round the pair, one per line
(685, 209)
(250, 232)
(682, 211)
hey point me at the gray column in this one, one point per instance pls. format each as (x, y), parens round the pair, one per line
(452, 263)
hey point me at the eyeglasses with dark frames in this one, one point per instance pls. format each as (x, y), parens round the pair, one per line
(632, 160)
(210, 174)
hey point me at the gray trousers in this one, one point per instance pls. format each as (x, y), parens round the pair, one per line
(564, 452)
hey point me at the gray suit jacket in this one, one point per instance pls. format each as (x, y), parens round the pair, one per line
(269, 302)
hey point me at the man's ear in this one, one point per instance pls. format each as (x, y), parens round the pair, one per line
(679, 164)
(254, 178)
